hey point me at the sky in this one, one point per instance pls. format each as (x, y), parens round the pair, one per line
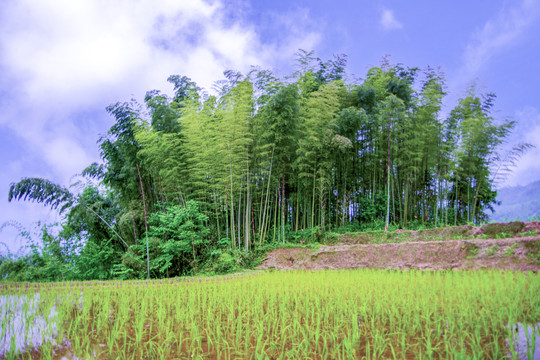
(62, 62)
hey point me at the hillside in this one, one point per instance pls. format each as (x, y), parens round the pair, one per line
(518, 202)
(511, 246)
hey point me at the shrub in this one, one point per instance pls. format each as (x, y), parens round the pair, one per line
(225, 263)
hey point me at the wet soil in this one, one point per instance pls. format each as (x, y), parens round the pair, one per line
(510, 246)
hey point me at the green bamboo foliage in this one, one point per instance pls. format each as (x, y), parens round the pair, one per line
(267, 156)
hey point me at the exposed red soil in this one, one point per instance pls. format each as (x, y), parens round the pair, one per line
(519, 250)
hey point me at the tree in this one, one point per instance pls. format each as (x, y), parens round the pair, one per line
(53, 195)
(266, 157)
(314, 164)
(187, 238)
(478, 139)
(42, 191)
(280, 119)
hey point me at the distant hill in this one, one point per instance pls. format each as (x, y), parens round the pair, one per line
(518, 202)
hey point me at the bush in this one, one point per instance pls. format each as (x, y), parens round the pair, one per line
(132, 267)
(183, 239)
(224, 264)
(314, 235)
(497, 228)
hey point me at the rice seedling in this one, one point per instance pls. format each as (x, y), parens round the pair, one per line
(338, 314)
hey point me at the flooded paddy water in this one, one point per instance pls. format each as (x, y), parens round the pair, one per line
(24, 325)
(28, 322)
(338, 314)
(524, 344)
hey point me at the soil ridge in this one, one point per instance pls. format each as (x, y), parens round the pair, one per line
(506, 246)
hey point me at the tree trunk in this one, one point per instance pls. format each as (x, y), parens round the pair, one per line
(145, 225)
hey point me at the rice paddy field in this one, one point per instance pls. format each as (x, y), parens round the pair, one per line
(334, 314)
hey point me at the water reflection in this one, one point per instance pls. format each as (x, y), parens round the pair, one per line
(24, 324)
(525, 341)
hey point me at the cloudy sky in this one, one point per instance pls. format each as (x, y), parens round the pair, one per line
(63, 61)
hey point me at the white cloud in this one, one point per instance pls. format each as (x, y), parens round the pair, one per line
(388, 20)
(498, 34)
(75, 48)
(302, 33)
(61, 57)
(527, 131)
(63, 62)
(12, 238)
(66, 155)
(83, 53)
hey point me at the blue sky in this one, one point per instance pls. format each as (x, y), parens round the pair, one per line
(63, 62)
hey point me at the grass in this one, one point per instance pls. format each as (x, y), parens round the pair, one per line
(493, 250)
(314, 237)
(345, 314)
(534, 251)
(511, 250)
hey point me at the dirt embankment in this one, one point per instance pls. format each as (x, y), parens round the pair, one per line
(512, 246)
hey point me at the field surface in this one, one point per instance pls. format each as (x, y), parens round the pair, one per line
(510, 246)
(334, 314)
(448, 293)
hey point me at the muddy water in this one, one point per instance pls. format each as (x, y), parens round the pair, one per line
(23, 325)
(526, 340)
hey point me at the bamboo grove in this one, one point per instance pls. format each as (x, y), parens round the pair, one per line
(267, 156)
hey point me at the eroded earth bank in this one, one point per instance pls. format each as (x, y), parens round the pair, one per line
(511, 246)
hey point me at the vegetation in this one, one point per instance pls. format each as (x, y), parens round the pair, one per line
(349, 314)
(189, 178)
